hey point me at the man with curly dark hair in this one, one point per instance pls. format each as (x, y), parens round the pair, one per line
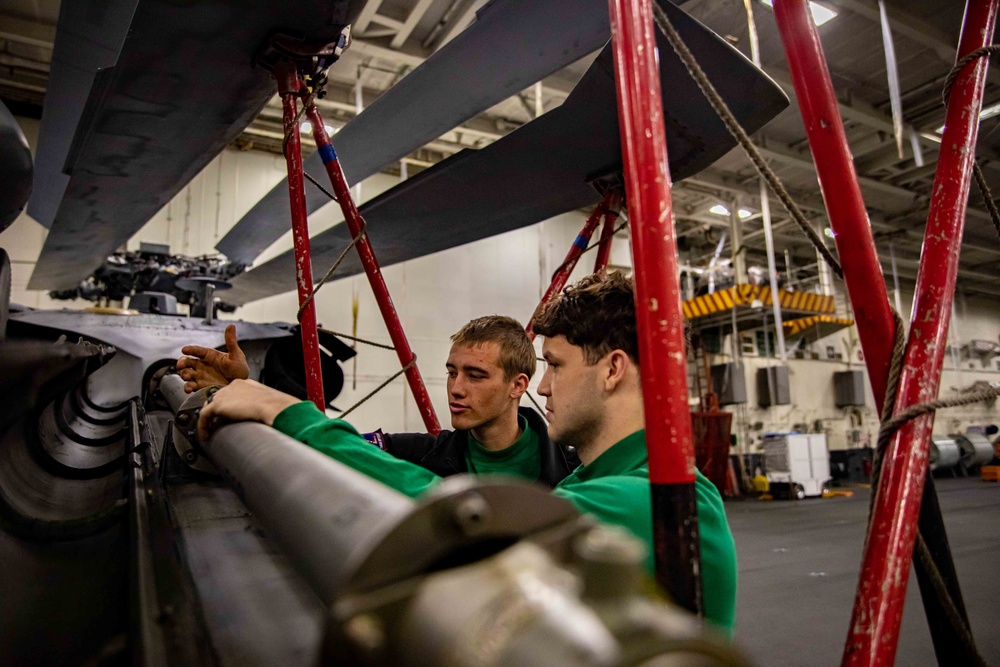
(594, 403)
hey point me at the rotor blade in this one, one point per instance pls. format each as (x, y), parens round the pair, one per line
(88, 38)
(183, 87)
(543, 168)
(511, 45)
(15, 172)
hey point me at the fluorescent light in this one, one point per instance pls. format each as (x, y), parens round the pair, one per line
(988, 112)
(820, 13)
(719, 209)
(829, 232)
(306, 128)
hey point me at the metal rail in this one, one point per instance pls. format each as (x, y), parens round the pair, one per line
(659, 319)
(356, 225)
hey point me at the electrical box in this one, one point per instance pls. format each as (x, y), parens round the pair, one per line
(159, 303)
(849, 388)
(729, 383)
(772, 386)
(154, 248)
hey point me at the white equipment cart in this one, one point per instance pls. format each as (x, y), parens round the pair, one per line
(799, 460)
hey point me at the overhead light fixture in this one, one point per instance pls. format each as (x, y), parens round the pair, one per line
(990, 111)
(820, 13)
(307, 128)
(719, 209)
(987, 112)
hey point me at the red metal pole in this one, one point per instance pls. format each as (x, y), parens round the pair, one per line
(659, 319)
(885, 568)
(355, 224)
(607, 236)
(839, 185)
(579, 245)
(289, 85)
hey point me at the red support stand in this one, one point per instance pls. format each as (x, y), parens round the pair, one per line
(607, 236)
(356, 224)
(839, 185)
(659, 318)
(290, 88)
(609, 206)
(878, 607)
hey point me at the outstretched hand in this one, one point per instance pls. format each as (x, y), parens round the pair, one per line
(242, 400)
(205, 367)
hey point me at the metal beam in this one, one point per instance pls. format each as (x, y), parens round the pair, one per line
(371, 49)
(31, 33)
(786, 156)
(939, 41)
(461, 22)
(714, 181)
(858, 111)
(366, 16)
(411, 22)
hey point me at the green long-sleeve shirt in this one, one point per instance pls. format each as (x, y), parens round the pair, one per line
(614, 488)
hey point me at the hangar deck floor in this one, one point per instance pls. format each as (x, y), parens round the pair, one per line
(798, 568)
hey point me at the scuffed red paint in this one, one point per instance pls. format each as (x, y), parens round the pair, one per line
(644, 152)
(839, 187)
(289, 85)
(888, 551)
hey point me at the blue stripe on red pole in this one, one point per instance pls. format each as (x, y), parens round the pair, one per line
(327, 154)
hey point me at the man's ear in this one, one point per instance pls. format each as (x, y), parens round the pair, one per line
(519, 385)
(617, 364)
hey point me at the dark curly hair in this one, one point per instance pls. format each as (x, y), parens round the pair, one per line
(597, 314)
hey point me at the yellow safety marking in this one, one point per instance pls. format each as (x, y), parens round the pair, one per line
(719, 303)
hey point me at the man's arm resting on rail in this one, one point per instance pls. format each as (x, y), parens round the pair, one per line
(246, 400)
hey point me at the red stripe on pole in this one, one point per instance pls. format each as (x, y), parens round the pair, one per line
(885, 569)
(355, 224)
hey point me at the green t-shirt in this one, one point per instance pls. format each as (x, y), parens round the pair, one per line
(520, 459)
(614, 488)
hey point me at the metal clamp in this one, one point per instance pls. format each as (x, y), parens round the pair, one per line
(311, 58)
(185, 439)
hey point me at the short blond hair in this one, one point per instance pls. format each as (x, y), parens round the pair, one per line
(517, 354)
